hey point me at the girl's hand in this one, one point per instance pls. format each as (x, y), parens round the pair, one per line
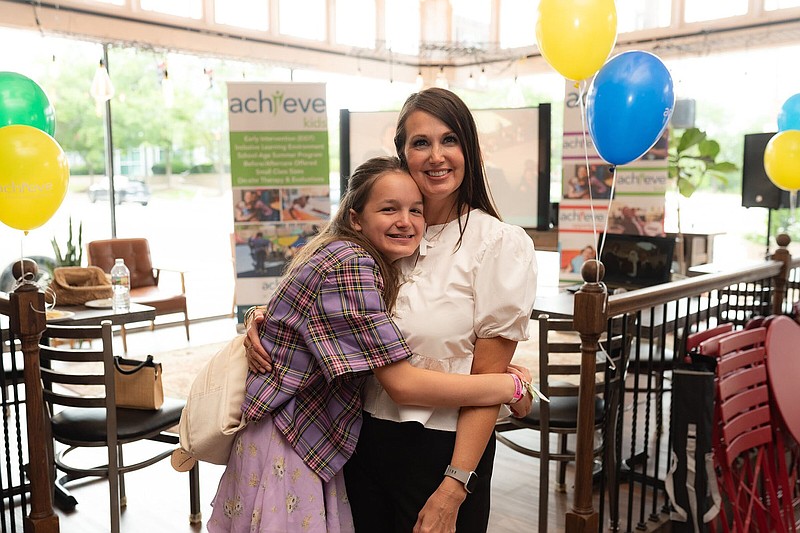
(521, 408)
(257, 357)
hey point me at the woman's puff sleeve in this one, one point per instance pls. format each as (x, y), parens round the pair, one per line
(505, 285)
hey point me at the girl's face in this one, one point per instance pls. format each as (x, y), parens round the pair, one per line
(434, 156)
(392, 217)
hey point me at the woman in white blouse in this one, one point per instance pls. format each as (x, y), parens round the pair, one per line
(464, 303)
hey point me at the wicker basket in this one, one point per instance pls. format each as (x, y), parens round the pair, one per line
(78, 285)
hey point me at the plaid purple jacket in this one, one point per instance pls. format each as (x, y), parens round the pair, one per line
(326, 329)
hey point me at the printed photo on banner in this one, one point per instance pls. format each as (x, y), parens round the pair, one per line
(637, 215)
(265, 250)
(576, 248)
(256, 205)
(582, 183)
(306, 203)
(257, 251)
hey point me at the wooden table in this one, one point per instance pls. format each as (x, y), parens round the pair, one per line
(87, 316)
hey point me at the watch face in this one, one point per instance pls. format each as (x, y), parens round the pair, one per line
(472, 482)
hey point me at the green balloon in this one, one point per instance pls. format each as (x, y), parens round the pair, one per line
(23, 102)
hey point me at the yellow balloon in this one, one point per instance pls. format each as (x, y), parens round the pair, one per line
(576, 36)
(34, 175)
(782, 160)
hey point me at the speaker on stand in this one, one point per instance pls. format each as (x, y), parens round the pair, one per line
(757, 189)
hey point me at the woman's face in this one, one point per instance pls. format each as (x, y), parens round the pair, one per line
(434, 156)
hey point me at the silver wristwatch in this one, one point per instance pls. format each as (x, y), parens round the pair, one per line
(467, 477)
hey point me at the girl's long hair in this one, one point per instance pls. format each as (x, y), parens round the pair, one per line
(359, 187)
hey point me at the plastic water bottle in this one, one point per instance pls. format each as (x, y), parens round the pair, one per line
(121, 285)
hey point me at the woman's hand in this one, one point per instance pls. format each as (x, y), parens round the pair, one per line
(257, 357)
(441, 510)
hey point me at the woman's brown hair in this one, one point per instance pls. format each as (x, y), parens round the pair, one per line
(450, 109)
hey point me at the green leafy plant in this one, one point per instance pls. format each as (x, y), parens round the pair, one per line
(693, 160)
(73, 255)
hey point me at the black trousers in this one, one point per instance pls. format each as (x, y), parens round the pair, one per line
(395, 469)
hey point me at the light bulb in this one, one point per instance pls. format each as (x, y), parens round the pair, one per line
(482, 81)
(102, 90)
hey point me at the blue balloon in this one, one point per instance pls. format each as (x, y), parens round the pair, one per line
(789, 117)
(628, 106)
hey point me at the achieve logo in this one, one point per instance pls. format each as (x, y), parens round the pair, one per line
(24, 187)
(276, 103)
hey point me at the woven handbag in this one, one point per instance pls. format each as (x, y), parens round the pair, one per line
(213, 412)
(138, 383)
(78, 285)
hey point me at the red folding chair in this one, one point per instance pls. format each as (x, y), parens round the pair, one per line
(751, 469)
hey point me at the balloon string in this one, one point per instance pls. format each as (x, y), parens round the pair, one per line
(581, 94)
(613, 170)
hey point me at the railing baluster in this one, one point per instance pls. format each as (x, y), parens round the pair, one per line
(27, 321)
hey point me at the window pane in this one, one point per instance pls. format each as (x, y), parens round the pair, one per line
(633, 15)
(192, 9)
(355, 23)
(699, 10)
(403, 26)
(303, 18)
(471, 20)
(253, 14)
(518, 23)
(770, 5)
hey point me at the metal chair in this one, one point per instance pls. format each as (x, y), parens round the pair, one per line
(78, 387)
(559, 373)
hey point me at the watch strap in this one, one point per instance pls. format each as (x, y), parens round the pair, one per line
(466, 477)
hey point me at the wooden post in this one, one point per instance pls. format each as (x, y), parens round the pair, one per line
(28, 321)
(590, 322)
(781, 281)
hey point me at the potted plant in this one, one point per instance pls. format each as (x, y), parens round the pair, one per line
(693, 159)
(73, 254)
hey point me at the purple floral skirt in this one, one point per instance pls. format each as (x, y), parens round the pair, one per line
(267, 488)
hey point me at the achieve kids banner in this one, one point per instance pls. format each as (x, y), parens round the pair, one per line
(280, 178)
(639, 193)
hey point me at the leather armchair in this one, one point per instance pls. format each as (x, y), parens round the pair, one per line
(144, 277)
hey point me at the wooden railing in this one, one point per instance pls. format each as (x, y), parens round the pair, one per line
(25, 308)
(657, 319)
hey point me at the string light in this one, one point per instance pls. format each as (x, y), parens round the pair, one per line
(441, 79)
(167, 90)
(471, 81)
(102, 90)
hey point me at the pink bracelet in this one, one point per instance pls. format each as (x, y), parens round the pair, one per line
(519, 389)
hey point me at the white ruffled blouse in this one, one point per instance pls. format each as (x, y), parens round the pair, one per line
(448, 300)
